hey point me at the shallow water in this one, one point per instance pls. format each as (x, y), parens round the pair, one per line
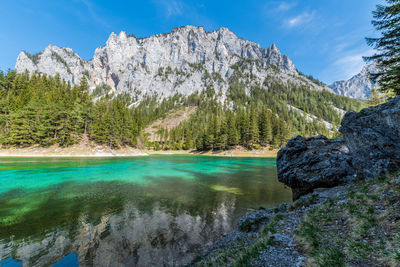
(145, 211)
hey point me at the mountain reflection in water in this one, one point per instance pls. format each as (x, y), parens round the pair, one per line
(150, 211)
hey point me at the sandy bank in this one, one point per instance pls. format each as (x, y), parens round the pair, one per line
(72, 151)
(264, 153)
(83, 150)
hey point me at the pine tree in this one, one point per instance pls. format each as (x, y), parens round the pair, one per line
(265, 128)
(232, 132)
(387, 21)
(375, 98)
(22, 127)
(254, 133)
(36, 109)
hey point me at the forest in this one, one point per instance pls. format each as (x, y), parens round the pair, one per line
(41, 110)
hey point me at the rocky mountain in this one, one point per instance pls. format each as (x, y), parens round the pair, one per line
(359, 86)
(184, 61)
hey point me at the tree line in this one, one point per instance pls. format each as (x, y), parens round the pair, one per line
(41, 110)
(255, 119)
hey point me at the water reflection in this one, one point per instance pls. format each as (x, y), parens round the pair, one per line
(166, 221)
(132, 237)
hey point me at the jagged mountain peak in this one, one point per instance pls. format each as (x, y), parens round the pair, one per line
(187, 28)
(122, 36)
(273, 47)
(180, 61)
(359, 86)
(368, 69)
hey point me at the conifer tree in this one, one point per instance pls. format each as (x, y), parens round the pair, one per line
(387, 21)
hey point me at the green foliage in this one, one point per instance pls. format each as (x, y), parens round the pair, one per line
(33, 57)
(101, 90)
(260, 118)
(243, 252)
(386, 20)
(362, 228)
(311, 78)
(58, 58)
(45, 110)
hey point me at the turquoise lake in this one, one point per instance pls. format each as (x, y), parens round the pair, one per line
(138, 211)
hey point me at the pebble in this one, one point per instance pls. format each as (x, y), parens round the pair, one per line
(398, 180)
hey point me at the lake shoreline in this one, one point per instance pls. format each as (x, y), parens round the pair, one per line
(103, 151)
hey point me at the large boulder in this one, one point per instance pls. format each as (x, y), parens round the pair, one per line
(373, 138)
(308, 163)
(370, 147)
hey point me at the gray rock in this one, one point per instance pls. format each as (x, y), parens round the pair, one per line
(253, 221)
(370, 148)
(358, 86)
(398, 180)
(282, 207)
(165, 64)
(373, 138)
(388, 195)
(285, 240)
(279, 257)
(309, 163)
(337, 192)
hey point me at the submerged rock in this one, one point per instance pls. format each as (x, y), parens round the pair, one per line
(308, 163)
(370, 147)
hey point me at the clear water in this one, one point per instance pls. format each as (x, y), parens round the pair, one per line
(144, 211)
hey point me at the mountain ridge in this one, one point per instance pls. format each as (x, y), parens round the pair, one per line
(185, 60)
(359, 86)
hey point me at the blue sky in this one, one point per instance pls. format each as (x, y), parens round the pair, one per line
(323, 38)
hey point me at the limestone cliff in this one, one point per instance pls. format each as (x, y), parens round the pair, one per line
(184, 61)
(358, 86)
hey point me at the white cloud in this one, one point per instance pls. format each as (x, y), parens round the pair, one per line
(351, 64)
(345, 64)
(93, 13)
(192, 13)
(285, 6)
(171, 8)
(174, 8)
(299, 20)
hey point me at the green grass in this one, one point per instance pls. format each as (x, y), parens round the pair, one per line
(244, 252)
(364, 229)
(361, 230)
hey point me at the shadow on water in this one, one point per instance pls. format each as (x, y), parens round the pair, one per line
(167, 220)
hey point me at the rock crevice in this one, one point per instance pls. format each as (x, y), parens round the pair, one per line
(181, 61)
(370, 147)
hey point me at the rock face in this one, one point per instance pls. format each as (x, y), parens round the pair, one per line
(359, 86)
(53, 60)
(184, 61)
(373, 138)
(308, 163)
(370, 148)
